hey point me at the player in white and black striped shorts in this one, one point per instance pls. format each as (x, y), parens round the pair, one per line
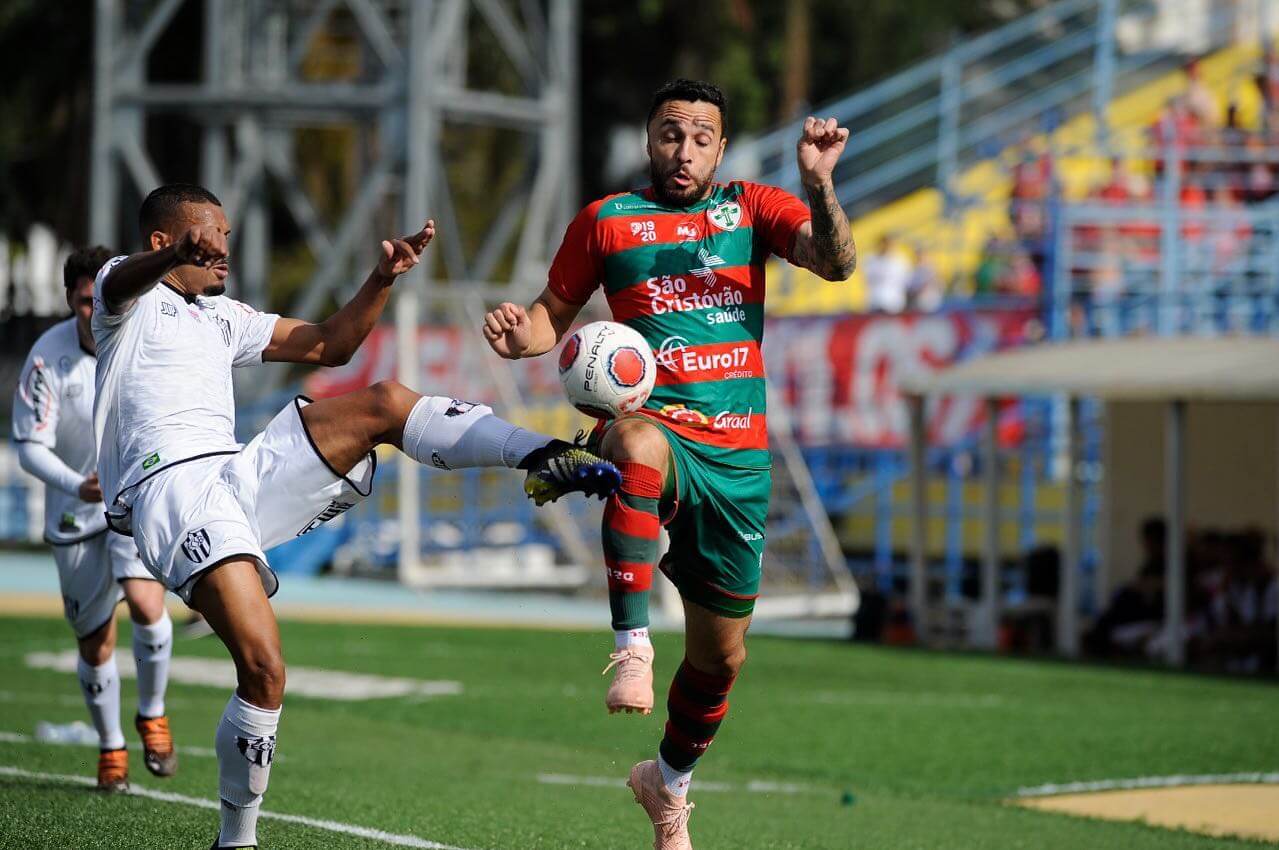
(201, 507)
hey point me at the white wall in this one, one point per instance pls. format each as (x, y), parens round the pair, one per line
(1232, 473)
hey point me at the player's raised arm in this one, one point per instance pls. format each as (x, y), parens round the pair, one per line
(514, 332)
(136, 275)
(825, 245)
(333, 341)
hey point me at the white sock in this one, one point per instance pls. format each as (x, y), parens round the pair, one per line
(677, 781)
(152, 648)
(623, 638)
(245, 744)
(101, 688)
(451, 434)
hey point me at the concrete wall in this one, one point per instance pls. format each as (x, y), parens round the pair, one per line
(1232, 473)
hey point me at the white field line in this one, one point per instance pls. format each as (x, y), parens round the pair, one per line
(303, 681)
(19, 738)
(212, 805)
(1149, 782)
(756, 786)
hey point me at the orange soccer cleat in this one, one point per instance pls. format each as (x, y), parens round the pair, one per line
(113, 771)
(158, 753)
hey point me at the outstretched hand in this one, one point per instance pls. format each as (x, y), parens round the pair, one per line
(508, 330)
(819, 148)
(400, 255)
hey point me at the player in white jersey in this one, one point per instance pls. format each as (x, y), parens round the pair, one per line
(53, 433)
(201, 507)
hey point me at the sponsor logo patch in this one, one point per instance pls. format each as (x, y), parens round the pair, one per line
(168, 309)
(685, 415)
(334, 509)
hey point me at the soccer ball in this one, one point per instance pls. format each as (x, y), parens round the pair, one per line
(607, 369)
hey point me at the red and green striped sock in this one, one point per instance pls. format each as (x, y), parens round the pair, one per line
(696, 706)
(631, 528)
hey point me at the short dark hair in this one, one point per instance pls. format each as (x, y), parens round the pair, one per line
(163, 203)
(690, 90)
(84, 262)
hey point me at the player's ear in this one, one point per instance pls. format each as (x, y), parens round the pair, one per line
(723, 144)
(158, 240)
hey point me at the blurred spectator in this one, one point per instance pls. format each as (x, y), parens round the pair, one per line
(1034, 183)
(925, 290)
(1135, 613)
(1240, 632)
(1259, 177)
(1200, 101)
(888, 276)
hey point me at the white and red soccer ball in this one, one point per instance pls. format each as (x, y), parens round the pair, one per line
(607, 369)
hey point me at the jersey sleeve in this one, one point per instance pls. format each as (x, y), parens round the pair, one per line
(101, 315)
(35, 403)
(578, 267)
(776, 216)
(252, 332)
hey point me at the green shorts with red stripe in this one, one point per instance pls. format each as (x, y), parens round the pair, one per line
(715, 515)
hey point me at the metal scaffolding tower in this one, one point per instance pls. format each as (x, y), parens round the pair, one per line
(414, 78)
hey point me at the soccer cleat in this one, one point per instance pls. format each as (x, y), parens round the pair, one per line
(113, 771)
(158, 753)
(632, 687)
(559, 468)
(668, 812)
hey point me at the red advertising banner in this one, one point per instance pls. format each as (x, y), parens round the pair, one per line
(839, 377)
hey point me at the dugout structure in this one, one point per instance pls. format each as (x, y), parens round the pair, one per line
(1213, 458)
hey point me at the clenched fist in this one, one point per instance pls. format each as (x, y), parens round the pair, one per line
(508, 330)
(819, 148)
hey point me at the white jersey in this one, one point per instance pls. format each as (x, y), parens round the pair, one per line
(164, 390)
(53, 406)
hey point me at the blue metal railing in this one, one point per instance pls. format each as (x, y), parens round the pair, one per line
(922, 126)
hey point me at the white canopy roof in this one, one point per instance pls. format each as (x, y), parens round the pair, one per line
(1145, 368)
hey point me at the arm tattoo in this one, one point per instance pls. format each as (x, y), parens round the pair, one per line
(831, 252)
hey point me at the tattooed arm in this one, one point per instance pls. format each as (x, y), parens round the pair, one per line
(824, 246)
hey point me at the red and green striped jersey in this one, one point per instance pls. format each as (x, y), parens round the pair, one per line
(691, 280)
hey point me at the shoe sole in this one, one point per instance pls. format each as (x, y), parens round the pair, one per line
(594, 479)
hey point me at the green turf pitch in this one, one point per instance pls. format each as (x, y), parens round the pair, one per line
(927, 744)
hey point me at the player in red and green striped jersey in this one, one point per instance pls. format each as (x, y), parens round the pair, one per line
(682, 261)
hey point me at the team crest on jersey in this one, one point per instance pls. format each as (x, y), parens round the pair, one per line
(64, 364)
(197, 546)
(726, 216)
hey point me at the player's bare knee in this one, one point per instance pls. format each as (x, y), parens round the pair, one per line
(723, 661)
(262, 677)
(390, 403)
(96, 649)
(636, 441)
(146, 606)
